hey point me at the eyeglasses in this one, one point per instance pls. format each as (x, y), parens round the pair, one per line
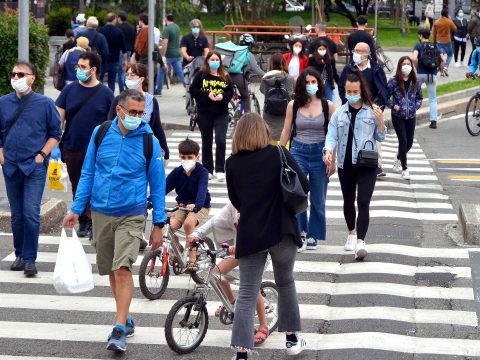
(133, 113)
(81, 67)
(20, 75)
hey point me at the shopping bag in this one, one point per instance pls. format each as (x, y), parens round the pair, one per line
(73, 271)
(57, 176)
(427, 24)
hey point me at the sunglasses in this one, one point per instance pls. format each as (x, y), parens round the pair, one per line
(20, 75)
(133, 113)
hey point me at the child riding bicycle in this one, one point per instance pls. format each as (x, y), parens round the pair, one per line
(190, 182)
(223, 226)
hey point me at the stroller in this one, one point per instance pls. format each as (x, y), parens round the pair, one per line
(190, 71)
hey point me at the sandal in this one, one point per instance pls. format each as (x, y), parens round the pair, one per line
(261, 336)
(192, 267)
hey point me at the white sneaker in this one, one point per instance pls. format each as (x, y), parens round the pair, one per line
(220, 176)
(457, 64)
(360, 250)
(406, 174)
(295, 348)
(397, 166)
(210, 176)
(463, 63)
(350, 243)
(303, 236)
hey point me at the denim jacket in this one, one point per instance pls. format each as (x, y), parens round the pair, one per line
(365, 129)
(409, 103)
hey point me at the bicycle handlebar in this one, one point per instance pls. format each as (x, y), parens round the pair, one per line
(175, 208)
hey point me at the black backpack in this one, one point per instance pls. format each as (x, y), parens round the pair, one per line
(430, 57)
(276, 99)
(147, 141)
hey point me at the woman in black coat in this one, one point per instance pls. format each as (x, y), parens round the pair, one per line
(266, 226)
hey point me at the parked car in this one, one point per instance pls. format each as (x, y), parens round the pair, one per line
(294, 5)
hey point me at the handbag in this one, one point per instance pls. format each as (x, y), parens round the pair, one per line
(365, 158)
(294, 196)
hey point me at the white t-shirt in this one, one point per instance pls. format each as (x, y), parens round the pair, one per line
(156, 36)
(294, 66)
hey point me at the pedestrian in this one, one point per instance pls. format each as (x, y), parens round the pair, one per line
(276, 77)
(80, 20)
(474, 63)
(259, 233)
(70, 43)
(405, 99)
(306, 123)
(428, 76)
(376, 81)
(30, 129)
(212, 88)
(365, 118)
(114, 181)
(129, 35)
(460, 36)
(116, 48)
(194, 44)
(82, 105)
(324, 63)
(321, 29)
(137, 79)
(141, 41)
(98, 42)
(442, 36)
(170, 52)
(474, 31)
(429, 12)
(69, 59)
(362, 36)
(296, 59)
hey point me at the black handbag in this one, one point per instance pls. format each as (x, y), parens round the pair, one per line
(365, 158)
(294, 196)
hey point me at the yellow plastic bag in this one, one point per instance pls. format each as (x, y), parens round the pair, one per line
(57, 176)
(427, 24)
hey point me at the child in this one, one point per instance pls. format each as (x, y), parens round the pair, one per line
(190, 181)
(223, 226)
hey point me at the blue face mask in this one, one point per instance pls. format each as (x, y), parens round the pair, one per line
(214, 65)
(460, 15)
(312, 89)
(82, 75)
(353, 99)
(195, 31)
(131, 122)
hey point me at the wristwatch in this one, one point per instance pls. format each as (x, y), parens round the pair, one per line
(160, 224)
(43, 154)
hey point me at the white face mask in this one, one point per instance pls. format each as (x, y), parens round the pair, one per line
(406, 69)
(297, 50)
(20, 85)
(132, 84)
(322, 52)
(188, 165)
(357, 58)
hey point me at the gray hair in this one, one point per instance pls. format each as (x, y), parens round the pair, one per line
(321, 27)
(196, 21)
(92, 22)
(130, 94)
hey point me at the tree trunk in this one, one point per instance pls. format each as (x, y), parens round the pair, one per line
(81, 6)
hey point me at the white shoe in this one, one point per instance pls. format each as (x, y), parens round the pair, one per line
(397, 166)
(406, 174)
(210, 176)
(350, 243)
(360, 250)
(220, 176)
(303, 236)
(463, 63)
(296, 348)
(457, 64)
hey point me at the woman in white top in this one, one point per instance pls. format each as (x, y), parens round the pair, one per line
(296, 59)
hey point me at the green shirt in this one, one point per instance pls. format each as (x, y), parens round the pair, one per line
(172, 34)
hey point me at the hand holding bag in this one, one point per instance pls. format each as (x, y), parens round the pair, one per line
(294, 196)
(365, 158)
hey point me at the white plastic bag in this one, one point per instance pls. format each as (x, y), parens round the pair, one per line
(73, 271)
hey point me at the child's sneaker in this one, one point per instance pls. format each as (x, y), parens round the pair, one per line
(295, 348)
(192, 267)
(311, 244)
(117, 341)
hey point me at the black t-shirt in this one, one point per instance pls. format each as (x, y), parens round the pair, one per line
(348, 152)
(195, 46)
(332, 47)
(361, 36)
(129, 35)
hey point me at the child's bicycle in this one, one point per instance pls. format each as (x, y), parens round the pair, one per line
(187, 322)
(472, 113)
(154, 271)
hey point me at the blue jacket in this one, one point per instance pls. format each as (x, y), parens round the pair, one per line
(114, 177)
(365, 129)
(409, 103)
(474, 63)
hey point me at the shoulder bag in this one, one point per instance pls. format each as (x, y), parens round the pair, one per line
(16, 117)
(365, 158)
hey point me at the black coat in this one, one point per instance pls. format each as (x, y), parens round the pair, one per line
(253, 183)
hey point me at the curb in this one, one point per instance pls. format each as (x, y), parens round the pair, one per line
(469, 219)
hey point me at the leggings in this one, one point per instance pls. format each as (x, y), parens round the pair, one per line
(208, 124)
(242, 86)
(405, 129)
(351, 177)
(459, 45)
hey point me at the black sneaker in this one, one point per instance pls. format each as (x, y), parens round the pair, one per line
(30, 269)
(83, 232)
(143, 244)
(380, 172)
(18, 264)
(433, 125)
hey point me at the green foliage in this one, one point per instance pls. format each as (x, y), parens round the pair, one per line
(183, 11)
(39, 51)
(58, 20)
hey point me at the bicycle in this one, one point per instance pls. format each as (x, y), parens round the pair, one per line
(472, 115)
(188, 317)
(154, 272)
(383, 60)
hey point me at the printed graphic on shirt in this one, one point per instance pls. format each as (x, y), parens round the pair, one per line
(216, 86)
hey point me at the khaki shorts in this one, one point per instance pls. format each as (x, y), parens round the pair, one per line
(117, 240)
(181, 215)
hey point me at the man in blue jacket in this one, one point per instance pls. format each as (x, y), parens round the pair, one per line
(114, 179)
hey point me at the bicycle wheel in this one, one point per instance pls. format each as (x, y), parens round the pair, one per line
(472, 116)
(233, 116)
(152, 283)
(203, 263)
(186, 325)
(256, 104)
(269, 293)
(193, 117)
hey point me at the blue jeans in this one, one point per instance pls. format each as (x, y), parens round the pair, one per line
(309, 158)
(176, 63)
(447, 49)
(25, 195)
(329, 94)
(121, 73)
(111, 69)
(431, 82)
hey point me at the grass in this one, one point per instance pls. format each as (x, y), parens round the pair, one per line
(453, 87)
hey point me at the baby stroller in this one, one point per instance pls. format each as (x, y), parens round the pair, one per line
(190, 71)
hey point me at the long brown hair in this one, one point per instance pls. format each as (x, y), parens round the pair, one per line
(251, 133)
(222, 72)
(357, 76)
(277, 62)
(399, 75)
(301, 96)
(326, 58)
(140, 70)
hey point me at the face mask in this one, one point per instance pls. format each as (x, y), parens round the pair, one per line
(460, 15)
(312, 89)
(131, 122)
(357, 58)
(82, 75)
(188, 165)
(406, 69)
(195, 31)
(297, 50)
(132, 84)
(214, 65)
(20, 85)
(353, 99)
(322, 52)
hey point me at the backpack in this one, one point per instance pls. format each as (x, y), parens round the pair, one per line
(234, 57)
(430, 57)
(276, 99)
(147, 141)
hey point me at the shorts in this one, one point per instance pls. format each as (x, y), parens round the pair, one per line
(181, 215)
(116, 240)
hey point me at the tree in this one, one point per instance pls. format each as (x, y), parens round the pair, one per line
(361, 8)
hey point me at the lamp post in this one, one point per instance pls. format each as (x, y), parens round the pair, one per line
(151, 24)
(376, 17)
(23, 25)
